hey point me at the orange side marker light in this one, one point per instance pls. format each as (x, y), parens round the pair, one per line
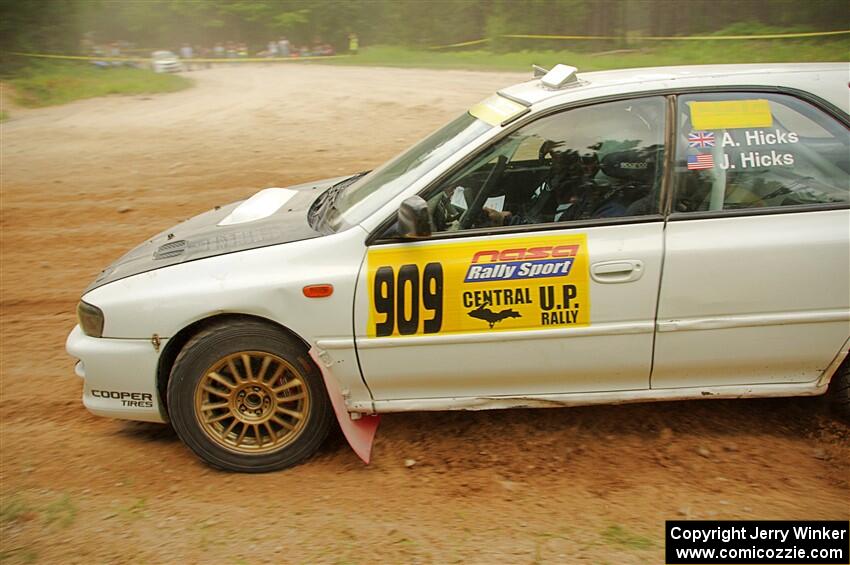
(318, 290)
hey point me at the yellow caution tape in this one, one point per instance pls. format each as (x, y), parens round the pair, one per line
(76, 57)
(462, 44)
(265, 59)
(653, 38)
(768, 36)
(523, 36)
(188, 61)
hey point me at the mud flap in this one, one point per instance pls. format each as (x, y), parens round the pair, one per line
(360, 433)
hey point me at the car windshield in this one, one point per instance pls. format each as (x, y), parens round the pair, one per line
(368, 194)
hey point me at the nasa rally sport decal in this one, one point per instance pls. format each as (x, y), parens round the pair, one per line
(514, 284)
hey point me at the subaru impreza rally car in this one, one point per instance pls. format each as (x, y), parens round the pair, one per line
(650, 234)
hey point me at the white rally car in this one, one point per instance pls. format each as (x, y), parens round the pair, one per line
(165, 62)
(650, 234)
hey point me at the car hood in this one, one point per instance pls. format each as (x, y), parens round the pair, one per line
(270, 217)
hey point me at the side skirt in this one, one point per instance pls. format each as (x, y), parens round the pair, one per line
(590, 398)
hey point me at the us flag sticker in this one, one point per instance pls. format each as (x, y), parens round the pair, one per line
(699, 162)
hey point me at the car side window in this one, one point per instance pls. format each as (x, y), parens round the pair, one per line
(598, 161)
(757, 150)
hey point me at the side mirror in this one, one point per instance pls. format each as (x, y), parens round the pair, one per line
(414, 219)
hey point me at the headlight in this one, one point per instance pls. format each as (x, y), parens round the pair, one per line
(90, 318)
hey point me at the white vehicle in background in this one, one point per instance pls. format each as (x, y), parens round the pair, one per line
(165, 62)
(649, 234)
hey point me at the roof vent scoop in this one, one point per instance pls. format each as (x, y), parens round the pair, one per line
(559, 77)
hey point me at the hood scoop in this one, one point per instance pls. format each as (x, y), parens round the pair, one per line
(270, 217)
(261, 205)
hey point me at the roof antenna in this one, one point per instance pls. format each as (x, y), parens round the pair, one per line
(539, 71)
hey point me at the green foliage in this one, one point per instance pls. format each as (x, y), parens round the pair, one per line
(59, 25)
(46, 84)
(46, 25)
(757, 28)
(69, 26)
(134, 511)
(13, 508)
(21, 554)
(618, 535)
(61, 512)
(685, 53)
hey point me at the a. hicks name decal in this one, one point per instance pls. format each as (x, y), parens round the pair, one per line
(522, 283)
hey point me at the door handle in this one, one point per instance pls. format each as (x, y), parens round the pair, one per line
(608, 272)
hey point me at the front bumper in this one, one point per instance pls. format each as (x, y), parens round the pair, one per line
(167, 67)
(119, 376)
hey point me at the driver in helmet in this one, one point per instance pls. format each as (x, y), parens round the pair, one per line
(561, 195)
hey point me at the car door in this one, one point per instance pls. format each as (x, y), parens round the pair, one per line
(555, 294)
(757, 263)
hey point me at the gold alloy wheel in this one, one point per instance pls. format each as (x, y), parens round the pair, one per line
(252, 402)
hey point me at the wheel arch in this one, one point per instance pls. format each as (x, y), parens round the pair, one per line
(178, 341)
(841, 362)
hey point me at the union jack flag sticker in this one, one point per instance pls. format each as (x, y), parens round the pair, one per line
(700, 139)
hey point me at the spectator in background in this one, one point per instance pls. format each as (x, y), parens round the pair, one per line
(203, 53)
(186, 53)
(353, 43)
(283, 47)
(218, 51)
(272, 51)
(87, 43)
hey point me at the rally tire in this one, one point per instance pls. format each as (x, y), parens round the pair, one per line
(839, 391)
(246, 397)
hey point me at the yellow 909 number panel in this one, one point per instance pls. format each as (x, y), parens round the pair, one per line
(522, 283)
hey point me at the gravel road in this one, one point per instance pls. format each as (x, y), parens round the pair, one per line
(83, 182)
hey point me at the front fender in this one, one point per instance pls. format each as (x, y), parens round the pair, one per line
(267, 282)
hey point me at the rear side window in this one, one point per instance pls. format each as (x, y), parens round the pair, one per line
(757, 150)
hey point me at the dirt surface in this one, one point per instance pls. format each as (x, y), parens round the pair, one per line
(84, 182)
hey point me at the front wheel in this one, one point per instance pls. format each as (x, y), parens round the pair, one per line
(246, 397)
